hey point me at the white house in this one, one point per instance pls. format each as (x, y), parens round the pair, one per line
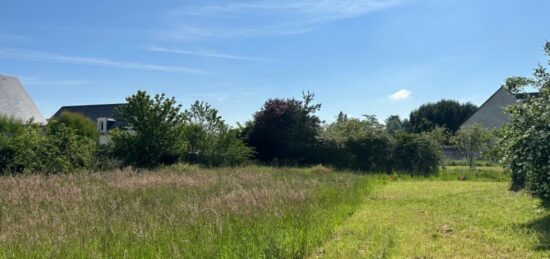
(101, 114)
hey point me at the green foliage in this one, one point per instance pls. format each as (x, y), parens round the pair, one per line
(152, 135)
(357, 144)
(417, 154)
(448, 114)
(210, 141)
(82, 125)
(53, 149)
(526, 140)
(285, 130)
(472, 141)
(394, 124)
(8, 128)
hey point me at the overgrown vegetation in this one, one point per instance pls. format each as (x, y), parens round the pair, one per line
(179, 211)
(31, 148)
(525, 141)
(472, 141)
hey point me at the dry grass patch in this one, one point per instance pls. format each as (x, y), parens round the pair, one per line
(175, 212)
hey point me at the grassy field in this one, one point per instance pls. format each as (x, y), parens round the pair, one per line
(182, 211)
(258, 212)
(444, 219)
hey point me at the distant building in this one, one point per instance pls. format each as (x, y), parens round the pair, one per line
(102, 114)
(15, 101)
(492, 114)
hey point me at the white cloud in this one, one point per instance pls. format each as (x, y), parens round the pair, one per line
(32, 55)
(400, 95)
(204, 54)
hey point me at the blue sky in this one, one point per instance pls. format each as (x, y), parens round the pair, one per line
(377, 57)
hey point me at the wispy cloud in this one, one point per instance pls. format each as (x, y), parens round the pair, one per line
(204, 54)
(12, 38)
(271, 17)
(400, 95)
(32, 55)
(54, 82)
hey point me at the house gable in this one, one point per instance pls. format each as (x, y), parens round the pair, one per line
(16, 102)
(492, 114)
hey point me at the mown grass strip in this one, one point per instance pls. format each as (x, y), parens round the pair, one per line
(444, 219)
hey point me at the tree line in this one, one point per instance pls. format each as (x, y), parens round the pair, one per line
(287, 131)
(157, 131)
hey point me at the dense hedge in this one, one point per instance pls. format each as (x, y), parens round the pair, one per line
(34, 148)
(365, 145)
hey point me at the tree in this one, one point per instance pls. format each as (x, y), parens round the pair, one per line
(81, 124)
(209, 140)
(417, 154)
(284, 129)
(153, 130)
(448, 114)
(526, 139)
(394, 124)
(472, 141)
(359, 144)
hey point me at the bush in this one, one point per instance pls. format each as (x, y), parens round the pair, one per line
(55, 148)
(417, 154)
(356, 144)
(8, 129)
(210, 141)
(66, 150)
(82, 125)
(526, 140)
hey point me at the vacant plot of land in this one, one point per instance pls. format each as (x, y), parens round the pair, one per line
(184, 212)
(444, 219)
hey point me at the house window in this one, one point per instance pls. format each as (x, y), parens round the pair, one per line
(102, 126)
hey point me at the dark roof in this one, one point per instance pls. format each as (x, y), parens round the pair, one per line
(526, 95)
(91, 111)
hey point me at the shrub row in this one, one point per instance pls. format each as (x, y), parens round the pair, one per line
(33, 148)
(416, 154)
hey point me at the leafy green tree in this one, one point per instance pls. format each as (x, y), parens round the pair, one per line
(472, 141)
(526, 140)
(394, 124)
(448, 114)
(80, 123)
(209, 140)
(153, 130)
(285, 130)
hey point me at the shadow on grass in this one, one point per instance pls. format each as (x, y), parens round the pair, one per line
(542, 227)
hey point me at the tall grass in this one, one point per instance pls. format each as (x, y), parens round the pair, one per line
(180, 211)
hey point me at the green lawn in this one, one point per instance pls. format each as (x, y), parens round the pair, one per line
(443, 219)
